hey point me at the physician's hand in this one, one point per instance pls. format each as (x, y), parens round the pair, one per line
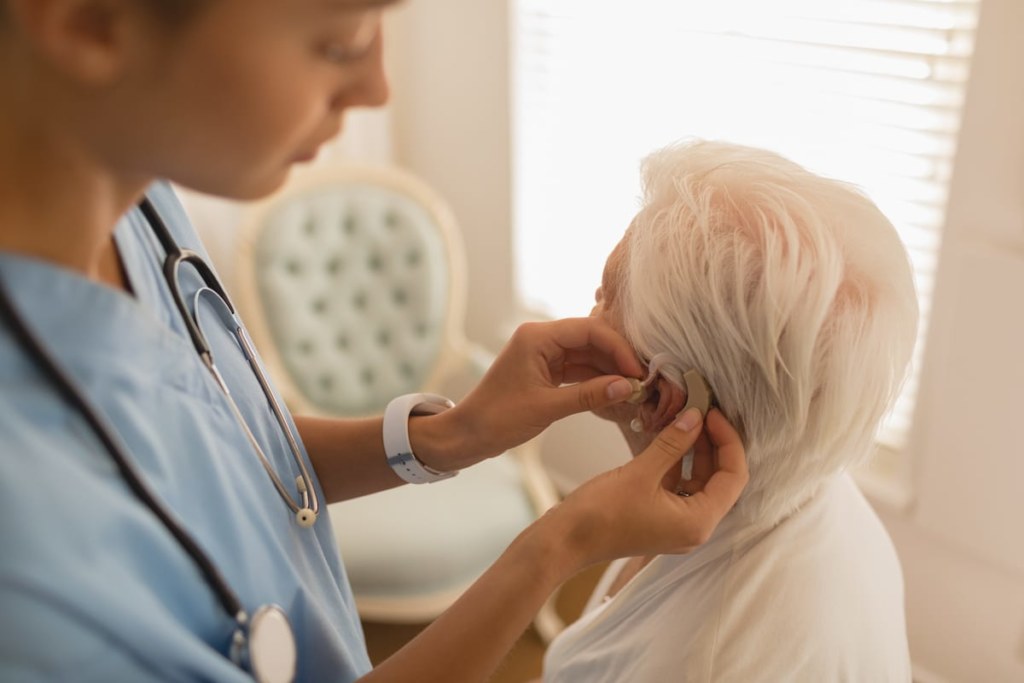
(522, 392)
(635, 509)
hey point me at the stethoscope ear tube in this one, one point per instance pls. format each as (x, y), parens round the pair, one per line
(308, 509)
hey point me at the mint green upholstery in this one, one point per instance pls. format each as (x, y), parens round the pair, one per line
(452, 531)
(354, 286)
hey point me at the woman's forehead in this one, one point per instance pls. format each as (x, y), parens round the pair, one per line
(613, 267)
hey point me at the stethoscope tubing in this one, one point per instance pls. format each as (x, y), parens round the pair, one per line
(306, 513)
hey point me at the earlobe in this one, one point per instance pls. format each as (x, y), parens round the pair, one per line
(84, 40)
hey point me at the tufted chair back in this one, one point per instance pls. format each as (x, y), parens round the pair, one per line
(360, 292)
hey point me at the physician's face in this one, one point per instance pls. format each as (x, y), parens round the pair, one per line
(248, 88)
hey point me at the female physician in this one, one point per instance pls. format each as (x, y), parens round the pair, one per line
(160, 513)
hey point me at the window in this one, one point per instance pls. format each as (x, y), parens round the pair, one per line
(868, 91)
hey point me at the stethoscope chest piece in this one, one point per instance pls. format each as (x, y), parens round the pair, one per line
(270, 648)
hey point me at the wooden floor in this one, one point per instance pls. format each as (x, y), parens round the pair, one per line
(524, 662)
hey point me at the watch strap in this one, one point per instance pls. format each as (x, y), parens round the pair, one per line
(396, 436)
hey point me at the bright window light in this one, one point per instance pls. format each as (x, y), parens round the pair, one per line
(868, 91)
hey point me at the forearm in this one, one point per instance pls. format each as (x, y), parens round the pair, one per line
(518, 398)
(348, 455)
(468, 641)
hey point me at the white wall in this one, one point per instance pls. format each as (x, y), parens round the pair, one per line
(962, 540)
(449, 62)
(962, 536)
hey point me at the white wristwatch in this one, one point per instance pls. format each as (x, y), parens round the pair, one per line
(396, 436)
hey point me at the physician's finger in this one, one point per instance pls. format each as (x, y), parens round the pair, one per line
(579, 373)
(592, 394)
(701, 467)
(672, 443)
(703, 460)
(729, 479)
(593, 334)
(601, 362)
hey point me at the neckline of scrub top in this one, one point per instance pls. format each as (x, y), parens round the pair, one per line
(27, 278)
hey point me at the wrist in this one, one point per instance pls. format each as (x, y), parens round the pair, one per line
(437, 441)
(554, 546)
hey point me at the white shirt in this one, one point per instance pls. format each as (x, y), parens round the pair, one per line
(819, 597)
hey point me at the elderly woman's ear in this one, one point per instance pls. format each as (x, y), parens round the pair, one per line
(663, 405)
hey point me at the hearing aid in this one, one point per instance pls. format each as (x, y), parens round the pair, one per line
(640, 392)
(642, 389)
(698, 391)
(698, 395)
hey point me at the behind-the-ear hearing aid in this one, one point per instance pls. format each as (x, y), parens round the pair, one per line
(698, 391)
(698, 395)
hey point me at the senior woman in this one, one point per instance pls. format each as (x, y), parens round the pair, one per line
(792, 295)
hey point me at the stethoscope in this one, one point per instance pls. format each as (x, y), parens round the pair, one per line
(262, 643)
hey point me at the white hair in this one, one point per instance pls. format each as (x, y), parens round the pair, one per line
(791, 293)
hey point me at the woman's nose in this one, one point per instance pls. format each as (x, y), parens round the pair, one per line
(370, 86)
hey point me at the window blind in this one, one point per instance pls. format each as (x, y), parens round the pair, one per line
(867, 91)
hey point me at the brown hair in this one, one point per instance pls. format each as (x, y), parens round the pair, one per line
(175, 12)
(172, 13)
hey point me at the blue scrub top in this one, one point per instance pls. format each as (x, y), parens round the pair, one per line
(92, 586)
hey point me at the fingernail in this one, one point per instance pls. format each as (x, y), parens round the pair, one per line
(620, 388)
(688, 420)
